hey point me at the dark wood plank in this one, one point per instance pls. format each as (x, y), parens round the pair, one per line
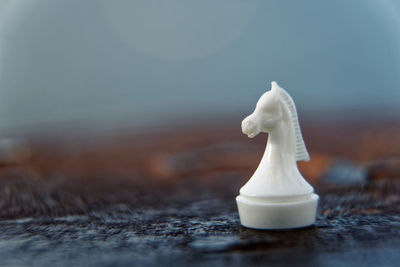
(168, 198)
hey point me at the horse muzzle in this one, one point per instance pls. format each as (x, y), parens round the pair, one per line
(249, 128)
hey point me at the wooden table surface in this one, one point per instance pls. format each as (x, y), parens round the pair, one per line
(167, 198)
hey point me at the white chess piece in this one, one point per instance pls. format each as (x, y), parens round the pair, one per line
(277, 196)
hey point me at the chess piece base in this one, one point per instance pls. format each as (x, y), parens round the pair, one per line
(264, 214)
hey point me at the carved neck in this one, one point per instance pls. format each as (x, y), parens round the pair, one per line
(280, 144)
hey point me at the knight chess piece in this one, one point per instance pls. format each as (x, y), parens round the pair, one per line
(277, 196)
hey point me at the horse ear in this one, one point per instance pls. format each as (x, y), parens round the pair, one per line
(274, 87)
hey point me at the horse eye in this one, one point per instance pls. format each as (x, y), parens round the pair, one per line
(266, 109)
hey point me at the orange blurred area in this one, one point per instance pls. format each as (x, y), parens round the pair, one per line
(173, 155)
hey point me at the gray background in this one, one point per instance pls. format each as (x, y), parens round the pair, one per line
(146, 62)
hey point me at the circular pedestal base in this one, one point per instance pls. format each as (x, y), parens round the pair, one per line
(259, 214)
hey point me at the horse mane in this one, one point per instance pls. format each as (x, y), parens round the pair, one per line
(301, 151)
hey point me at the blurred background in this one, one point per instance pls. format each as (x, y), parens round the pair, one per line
(120, 140)
(85, 65)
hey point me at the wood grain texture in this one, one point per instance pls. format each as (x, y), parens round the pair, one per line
(168, 199)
